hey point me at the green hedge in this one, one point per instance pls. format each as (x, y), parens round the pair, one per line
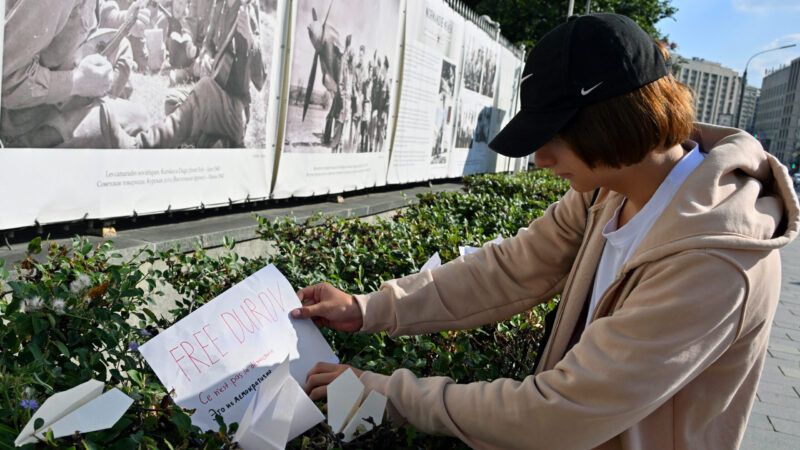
(82, 313)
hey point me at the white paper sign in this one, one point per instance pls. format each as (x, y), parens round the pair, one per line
(216, 358)
(83, 408)
(279, 412)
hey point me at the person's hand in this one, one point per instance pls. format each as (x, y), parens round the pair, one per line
(205, 64)
(329, 307)
(323, 374)
(142, 18)
(93, 77)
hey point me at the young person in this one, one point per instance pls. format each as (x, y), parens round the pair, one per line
(664, 251)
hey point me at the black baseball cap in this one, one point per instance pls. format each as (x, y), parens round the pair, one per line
(585, 60)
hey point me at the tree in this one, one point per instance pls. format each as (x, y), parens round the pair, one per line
(526, 21)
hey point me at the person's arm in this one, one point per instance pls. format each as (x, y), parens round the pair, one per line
(490, 285)
(671, 327)
(25, 82)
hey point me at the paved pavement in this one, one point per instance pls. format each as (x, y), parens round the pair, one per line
(775, 420)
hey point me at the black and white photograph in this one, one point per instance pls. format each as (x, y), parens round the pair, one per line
(443, 119)
(465, 127)
(474, 124)
(480, 65)
(489, 72)
(342, 76)
(474, 56)
(137, 74)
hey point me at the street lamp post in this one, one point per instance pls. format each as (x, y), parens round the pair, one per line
(571, 7)
(744, 81)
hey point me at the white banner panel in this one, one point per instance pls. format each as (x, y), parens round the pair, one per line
(175, 82)
(506, 104)
(471, 153)
(344, 70)
(426, 116)
(78, 183)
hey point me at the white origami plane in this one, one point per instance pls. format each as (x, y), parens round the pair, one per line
(82, 409)
(467, 250)
(432, 263)
(347, 413)
(279, 412)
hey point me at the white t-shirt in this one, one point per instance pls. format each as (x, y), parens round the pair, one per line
(621, 243)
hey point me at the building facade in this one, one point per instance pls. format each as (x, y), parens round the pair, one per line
(715, 88)
(777, 120)
(749, 103)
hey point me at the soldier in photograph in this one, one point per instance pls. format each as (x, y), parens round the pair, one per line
(112, 15)
(341, 133)
(182, 50)
(53, 84)
(218, 107)
(380, 98)
(366, 104)
(358, 97)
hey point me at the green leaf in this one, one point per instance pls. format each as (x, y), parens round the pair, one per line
(221, 422)
(39, 325)
(35, 245)
(3, 271)
(86, 248)
(36, 352)
(62, 348)
(89, 445)
(181, 419)
(136, 377)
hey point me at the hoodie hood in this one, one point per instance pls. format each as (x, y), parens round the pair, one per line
(739, 197)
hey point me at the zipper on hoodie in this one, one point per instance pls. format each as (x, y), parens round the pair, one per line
(604, 298)
(589, 224)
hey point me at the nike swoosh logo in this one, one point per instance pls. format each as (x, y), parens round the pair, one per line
(525, 78)
(587, 91)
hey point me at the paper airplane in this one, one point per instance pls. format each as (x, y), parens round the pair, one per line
(82, 409)
(279, 412)
(467, 250)
(432, 263)
(347, 413)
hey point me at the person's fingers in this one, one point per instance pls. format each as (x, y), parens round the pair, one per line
(319, 309)
(320, 379)
(310, 311)
(301, 313)
(318, 393)
(310, 292)
(323, 367)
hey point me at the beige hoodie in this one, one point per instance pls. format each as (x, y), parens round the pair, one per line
(672, 357)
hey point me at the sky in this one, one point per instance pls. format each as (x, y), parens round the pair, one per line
(731, 31)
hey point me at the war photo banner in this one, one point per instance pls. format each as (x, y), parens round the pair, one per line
(475, 100)
(343, 77)
(506, 104)
(84, 184)
(426, 116)
(98, 86)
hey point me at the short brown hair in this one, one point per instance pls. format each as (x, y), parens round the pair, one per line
(622, 130)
